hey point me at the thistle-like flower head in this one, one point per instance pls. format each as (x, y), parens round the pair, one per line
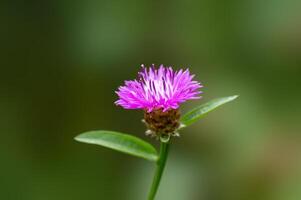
(159, 92)
(161, 88)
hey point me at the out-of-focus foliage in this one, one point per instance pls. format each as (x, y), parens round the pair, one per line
(61, 62)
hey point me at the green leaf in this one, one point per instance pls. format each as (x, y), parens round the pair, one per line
(121, 142)
(200, 111)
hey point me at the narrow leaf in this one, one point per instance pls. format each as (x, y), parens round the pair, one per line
(200, 111)
(121, 142)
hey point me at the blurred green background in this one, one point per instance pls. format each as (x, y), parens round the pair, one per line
(61, 62)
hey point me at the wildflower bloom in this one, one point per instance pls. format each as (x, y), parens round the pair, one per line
(159, 92)
(158, 88)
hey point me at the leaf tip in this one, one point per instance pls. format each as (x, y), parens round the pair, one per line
(234, 97)
(78, 138)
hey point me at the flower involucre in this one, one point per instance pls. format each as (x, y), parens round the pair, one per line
(161, 88)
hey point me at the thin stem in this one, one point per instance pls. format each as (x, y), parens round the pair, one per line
(164, 147)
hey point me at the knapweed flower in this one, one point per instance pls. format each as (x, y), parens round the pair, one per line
(159, 92)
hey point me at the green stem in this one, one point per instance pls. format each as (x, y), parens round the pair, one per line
(164, 147)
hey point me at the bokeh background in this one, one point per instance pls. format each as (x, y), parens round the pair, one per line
(61, 62)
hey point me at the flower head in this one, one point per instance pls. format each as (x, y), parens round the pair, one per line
(161, 88)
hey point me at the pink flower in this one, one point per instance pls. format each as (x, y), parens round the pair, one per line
(161, 88)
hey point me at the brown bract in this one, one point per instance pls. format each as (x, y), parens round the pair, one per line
(161, 123)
